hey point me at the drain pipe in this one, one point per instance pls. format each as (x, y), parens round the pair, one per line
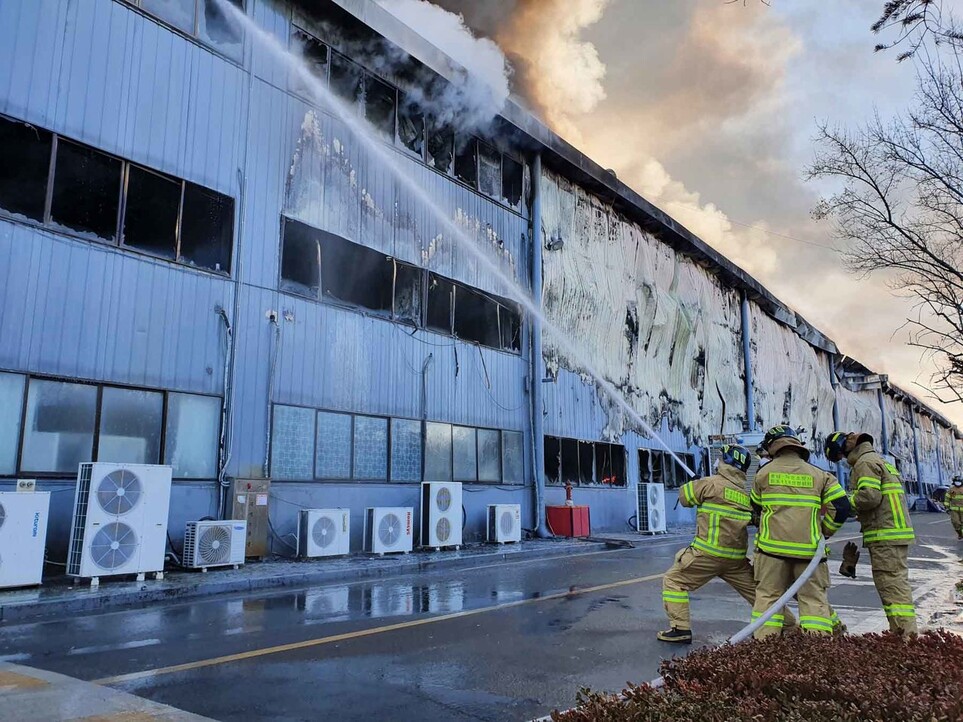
(273, 318)
(840, 469)
(537, 374)
(882, 415)
(939, 455)
(227, 408)
(747, 362)
(916, 453)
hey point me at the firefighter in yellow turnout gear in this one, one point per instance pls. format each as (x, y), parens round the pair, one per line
(720, 544)
(880, 503)
(789, 494)
(954, 505)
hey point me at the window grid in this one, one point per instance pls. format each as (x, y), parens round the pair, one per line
(581, 463)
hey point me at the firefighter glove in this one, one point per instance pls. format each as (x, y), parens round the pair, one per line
(850, 557)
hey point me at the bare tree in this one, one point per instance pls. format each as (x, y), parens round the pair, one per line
(914, 22)
(900, 209)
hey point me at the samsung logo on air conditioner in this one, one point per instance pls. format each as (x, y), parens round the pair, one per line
(36, 523)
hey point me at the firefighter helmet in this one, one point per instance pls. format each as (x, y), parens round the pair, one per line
(737, 456)
(783, 431)
(835, 446)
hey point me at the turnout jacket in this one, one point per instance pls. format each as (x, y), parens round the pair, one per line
(790, 494)
(723, 512)
(879, 499)
(954, 498)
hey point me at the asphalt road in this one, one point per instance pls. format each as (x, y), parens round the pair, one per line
(504, 642)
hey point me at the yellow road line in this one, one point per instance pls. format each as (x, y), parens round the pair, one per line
(214, 661)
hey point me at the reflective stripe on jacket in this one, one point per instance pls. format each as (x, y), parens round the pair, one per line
(722, 512)
(879, 498)
(791, 493)
(954, 498)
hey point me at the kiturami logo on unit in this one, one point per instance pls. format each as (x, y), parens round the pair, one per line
(36, 523)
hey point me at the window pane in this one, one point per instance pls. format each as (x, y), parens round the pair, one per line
(476, 318)
(207, 229)
(465, 453)
(437, 452)
(379, 106)
(59, 429)
(489, 455)
(150, 217)
(292, 443)
(511, 181)
(355, 274)
(466, 161)
(411, 126)
(553, 460)
(315, 56)
(86, 190)
(610, 464)
(130, 426)
(510, 326)
(191, 440)
(370, 448)
(11, 406)
(301, 259)
(345, 79)
(24, 164)
(333, 447)
(219, 31)
(489, 170)
(408, 284)
(405, 450)
(440, 298)
(179, 13)
(441, 148)
(513, 457)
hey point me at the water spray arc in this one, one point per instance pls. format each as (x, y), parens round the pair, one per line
(374, 145)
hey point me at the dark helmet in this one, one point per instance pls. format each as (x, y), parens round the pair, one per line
(783, 431)
(835, 446)
(737, 456)
(958, 479)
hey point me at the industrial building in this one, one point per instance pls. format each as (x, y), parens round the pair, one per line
(201, 265)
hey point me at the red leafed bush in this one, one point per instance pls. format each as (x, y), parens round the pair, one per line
(798, 678)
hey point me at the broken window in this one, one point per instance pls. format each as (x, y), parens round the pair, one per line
(301, 259)
(315, 56)
(355, 274)
(465, 453)
(489, 170)
(553, 460)
(569, 469)
(379, 106)
(610, 464)
(476, 318)
(11, 411)
(150, 216)
(510, 327)
(658, 467)
(489, 455)
(513, 457)
(130, 426)
(586, 462)
(86, 192)
(466, 161)
(345, 79)
(58, 432)
(441, 298)
(512, 180)
(411, 126)
(191, 436)
(207, 228)
(408, 284)
(24, 165)
(441, 147)
(219, 31)
(437, 452)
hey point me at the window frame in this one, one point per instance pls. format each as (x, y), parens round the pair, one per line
(195, 34)
(21, 471)
(596, 483)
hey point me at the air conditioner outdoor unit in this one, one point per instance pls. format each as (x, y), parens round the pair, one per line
(214, 544)
(504, 523)
(388, 530)
(651, 508)
(324, 532)
(441, 515)
(23, 533)
(119, 521)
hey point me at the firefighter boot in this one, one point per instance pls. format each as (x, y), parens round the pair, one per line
(676, 636)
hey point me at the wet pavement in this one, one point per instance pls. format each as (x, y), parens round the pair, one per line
(497, 642)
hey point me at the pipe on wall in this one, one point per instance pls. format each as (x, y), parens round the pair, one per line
(747, 361)
(916, 453)
(884, 445)
(537, 373)
(840, 469)
(939, 455)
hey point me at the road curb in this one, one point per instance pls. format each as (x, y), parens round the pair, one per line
(188, 586)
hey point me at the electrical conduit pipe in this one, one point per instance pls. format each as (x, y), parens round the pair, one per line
(538, 417)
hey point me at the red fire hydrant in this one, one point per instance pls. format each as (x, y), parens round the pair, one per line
(568, 494)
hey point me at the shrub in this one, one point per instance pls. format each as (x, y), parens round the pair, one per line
(798, 678)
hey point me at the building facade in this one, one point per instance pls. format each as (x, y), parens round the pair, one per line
(207, 261)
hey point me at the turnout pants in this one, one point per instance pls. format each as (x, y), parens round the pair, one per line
(891, 577)
(694, 569)
(774, 575)
(956, 518)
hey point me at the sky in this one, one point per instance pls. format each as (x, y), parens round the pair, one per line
(716, 106)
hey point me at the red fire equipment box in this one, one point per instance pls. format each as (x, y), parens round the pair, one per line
(569, 520)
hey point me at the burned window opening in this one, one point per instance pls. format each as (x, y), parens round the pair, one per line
(476, 318)
(586, 463)
(207, 228)
(489, 170)
(512, 181)
(346, 79)
(510, 327)
(553, 460)
(441, 301)
(356, 275)
(300, 259)
(610, 464)
(408, 294)
(24, 166)
(466, 161)
(441, 147)
(315, 56)
(658, 467)
(569, 467)
(151, 212)
(380, 102)
(411, 126)
(86, 192)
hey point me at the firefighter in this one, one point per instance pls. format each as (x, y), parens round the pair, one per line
(954, 505)
(883, 514)
(789, 493)
(719, 548)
